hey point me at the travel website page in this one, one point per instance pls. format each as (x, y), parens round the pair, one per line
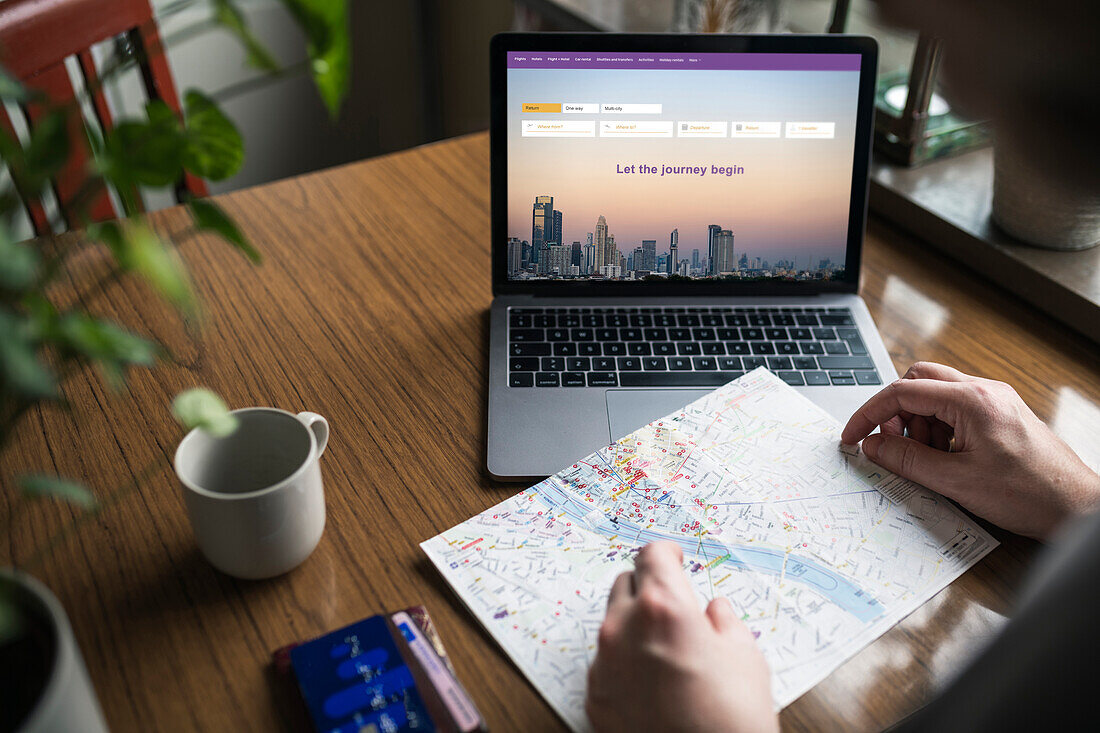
(647, 167)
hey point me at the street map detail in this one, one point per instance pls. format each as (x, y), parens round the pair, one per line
(819, 550)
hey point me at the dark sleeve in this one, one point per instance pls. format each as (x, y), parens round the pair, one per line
(1041, 672)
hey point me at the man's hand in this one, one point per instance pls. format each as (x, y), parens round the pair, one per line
(663, 664)
(975, 441)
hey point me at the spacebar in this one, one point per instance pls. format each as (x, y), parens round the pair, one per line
(675, 379)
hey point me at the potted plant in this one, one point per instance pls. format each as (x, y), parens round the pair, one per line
(43, 682)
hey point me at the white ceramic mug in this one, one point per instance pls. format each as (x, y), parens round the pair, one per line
(255, 497)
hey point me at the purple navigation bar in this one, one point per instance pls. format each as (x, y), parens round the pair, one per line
(685, 62)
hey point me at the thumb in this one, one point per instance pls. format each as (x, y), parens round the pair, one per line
(722, 616)
(909, 459)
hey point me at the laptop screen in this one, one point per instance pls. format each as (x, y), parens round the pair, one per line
(679, 167)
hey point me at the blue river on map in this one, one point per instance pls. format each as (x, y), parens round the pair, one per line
(841, 591)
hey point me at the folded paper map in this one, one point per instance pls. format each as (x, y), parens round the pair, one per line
(819, 550)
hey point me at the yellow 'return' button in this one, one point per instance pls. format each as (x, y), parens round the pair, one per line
(542, 106)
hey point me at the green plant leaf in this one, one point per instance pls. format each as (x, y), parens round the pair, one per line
(105, 344)
(215, 149)
(201, 408)
(229, 16)
(20, 370)
(137, 247)
(39, 485)
(18, 262)
(11, 89)
(46, 151)
(146, 153)
(325, 23)
(208, 215)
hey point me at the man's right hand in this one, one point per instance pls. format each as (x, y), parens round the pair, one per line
(976, 442)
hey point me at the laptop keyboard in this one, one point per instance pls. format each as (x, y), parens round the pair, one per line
(684, 346)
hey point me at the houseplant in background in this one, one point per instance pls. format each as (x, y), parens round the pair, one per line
(43, 684)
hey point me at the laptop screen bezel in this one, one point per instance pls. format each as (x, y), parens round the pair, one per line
(502, 43)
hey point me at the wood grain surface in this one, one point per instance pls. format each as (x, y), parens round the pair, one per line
(349, 316)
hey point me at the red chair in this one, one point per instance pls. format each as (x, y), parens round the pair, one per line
(36, 36)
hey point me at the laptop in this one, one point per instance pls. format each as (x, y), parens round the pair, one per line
(668, 213)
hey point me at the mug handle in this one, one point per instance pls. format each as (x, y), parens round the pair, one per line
(319, 426)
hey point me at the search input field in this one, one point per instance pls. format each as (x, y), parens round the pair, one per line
(701, 129)
(636, 128)
(558, 128)
(755, 129)
(811, 129)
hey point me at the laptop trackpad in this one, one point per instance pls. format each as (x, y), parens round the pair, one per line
(630, 409)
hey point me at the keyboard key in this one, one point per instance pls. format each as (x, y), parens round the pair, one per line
(863, 377)
(688, 348)
(642, 321)
(737, 320)
(582, 334)
(629, 364)
(835, 347)
(762, 347)
(752, 362)
(711, 320)
(679, 334)
(592, 321)
(842, 378)
(654, 364)
(775, 334)
(752, 334)
(656, 334)
(630, 334)
(617, 348)
(664, 320)
(830, 319)
(739, 348)
(638, 348)
(529, 364)
(786, 347)
(590, 348)
(569, 321)
(806, 319)
(572, 379)
(521, 379)
(729, 363)
(713, 348)
(779, 362)
(602, 379)
(805, 362)
(783, 320)
(705, 363)
(845, 362)
(607, 334)
(544, 321)
(603, 364)
(792, 378)
(618, 321)
(664, 349)
(727, 334)
(703, 334)
(564, 348)
(526, 349)
(679, 363)
(687, 321)
(759, 319)
(816, 379)
(553, 364)
(677, 379)
(801, 334)
(824, 334)
(517, 320)
(812, 347)
(557, 334)
(547, 379)
(578, 364)
(526, 334)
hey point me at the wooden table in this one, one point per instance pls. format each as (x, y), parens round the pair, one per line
(371, 308)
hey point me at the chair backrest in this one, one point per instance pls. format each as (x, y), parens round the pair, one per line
(36, 38)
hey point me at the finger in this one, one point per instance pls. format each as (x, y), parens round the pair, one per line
(919, 430)
(621, 594)
(893, 426)
(912, 460)
(932, 370)
(722, 616)
(661, 563)
(928, 397)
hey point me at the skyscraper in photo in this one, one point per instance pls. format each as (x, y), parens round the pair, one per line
(602, 255)
(557, 235)
(723, 253)
(515, 255)
(542, 224)
(588, 260)
(673, 251)
(712, 233)
(649, 255)
(695, 259)
(575, 255)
